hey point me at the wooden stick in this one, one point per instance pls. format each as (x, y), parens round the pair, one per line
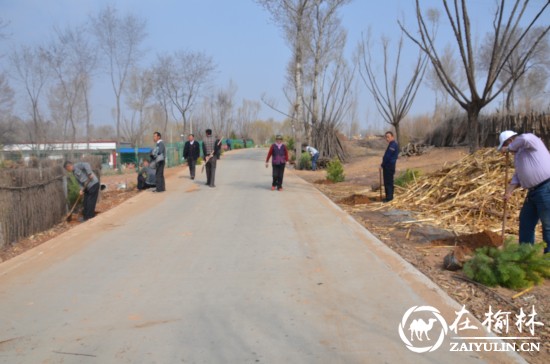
(505, 201)
(522, 292)
(380, 174)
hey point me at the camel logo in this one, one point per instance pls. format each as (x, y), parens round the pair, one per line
(420, 328)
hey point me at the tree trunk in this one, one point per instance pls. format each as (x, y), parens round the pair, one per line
(473, 128)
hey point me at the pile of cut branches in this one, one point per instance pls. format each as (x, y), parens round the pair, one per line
(465, 196)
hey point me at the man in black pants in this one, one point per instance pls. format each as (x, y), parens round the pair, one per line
(158, 155)
(211, 149)
(191, 152)
(89, 186)
(388, 165)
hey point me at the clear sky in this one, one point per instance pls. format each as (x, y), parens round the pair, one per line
(246, 46)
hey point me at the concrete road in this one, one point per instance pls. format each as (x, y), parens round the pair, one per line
(233, 274)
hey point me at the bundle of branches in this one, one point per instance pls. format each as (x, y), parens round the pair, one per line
(465, 196)
(31, 200)
(326, 139)
(516, 266)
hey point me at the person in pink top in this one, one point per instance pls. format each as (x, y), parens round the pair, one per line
(279, 152)
(532, 164)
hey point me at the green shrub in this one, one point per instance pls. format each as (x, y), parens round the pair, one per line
(515, 266)
(290, 143)
(199, 161)
(335, 171)
(73, 189)
(406, 177)
(305, 161)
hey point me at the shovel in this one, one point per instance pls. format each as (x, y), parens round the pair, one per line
(505, 201)
(70, 215)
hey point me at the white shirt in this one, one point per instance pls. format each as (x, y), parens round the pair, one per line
(312, 150)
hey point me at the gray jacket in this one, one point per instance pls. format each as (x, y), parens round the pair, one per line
(159, 153)
(82, 172)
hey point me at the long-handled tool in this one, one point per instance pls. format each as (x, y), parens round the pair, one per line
(380, 173)
(208, 157)
(70, 215)
(507, 160)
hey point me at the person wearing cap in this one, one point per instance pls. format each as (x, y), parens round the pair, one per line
(388, 165)
(532, 172)
(314, 156)
(89, 186)
(280, 156)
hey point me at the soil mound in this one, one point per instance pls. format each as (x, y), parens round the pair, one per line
(324, 182)
(355, 199)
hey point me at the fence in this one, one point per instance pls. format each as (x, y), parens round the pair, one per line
(454, 131)
(31, 200)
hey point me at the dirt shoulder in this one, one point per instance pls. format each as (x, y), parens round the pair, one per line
(422, 243)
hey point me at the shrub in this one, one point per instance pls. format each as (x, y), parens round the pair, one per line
(305, 161)
(335, 171)
(514, 266)
(73, 189)
(407, 177)
(199, 161)
(290, 143)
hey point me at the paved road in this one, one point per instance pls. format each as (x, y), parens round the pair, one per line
(234, 274)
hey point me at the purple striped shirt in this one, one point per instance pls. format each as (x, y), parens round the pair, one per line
(532, 161)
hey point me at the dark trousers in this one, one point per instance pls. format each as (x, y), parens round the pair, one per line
(536, 208)
(141, 184)
(211, 171)
(159, 174)
(278, 174)
(90, 200)
(192, 163)
(388, 173)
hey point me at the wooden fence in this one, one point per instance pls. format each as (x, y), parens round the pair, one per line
(31, 200)
(454, 131)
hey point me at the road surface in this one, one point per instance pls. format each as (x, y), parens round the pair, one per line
(232, 274)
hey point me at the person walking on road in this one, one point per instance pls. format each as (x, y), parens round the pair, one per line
(388, 165)
(158, 156)
(211, 148)
(89, 186)
(191, 152)
(146, 177)
(532, 172)
(314, 156)
(280, 156)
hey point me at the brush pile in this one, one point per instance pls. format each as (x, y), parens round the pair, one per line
(465, 196)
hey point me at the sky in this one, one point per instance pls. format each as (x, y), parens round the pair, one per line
(247, 47)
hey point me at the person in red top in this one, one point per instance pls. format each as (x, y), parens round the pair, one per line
(280, 156)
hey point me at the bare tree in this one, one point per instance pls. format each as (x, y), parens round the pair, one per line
(246, 115)
(120, 39)
(507, 37)
(294, 18)
(223, 113)
(392, 102)
(182, 76)
(7, 99)
(32, 72)
(72, 59)
(521, 63)
(326, 45)
(139, 93)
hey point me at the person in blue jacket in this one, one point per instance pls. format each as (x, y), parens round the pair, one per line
(388, 165)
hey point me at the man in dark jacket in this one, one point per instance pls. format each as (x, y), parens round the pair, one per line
(211, 148)
(89, 186)
(191, 152)
(388, 165)
(158, 156)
